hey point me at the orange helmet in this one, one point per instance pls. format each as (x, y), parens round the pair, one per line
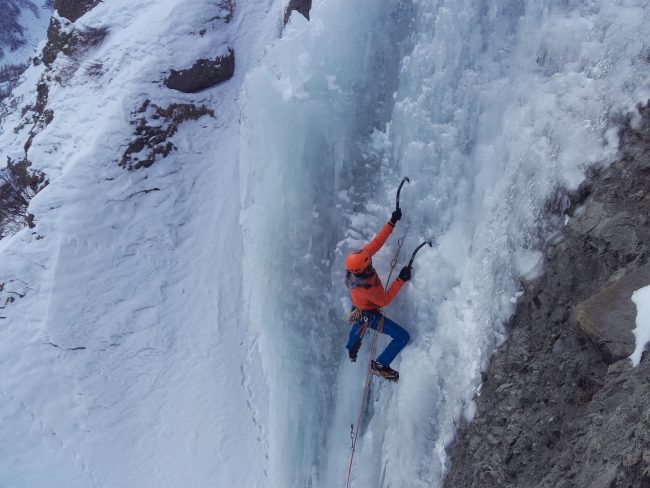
(357, 261)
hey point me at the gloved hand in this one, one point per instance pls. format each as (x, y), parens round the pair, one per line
(405, 274)
(397, 214)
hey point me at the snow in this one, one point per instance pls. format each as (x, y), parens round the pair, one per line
(128, 362)
(181, 325)
(641, 299)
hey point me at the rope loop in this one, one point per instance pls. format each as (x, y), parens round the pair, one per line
(393, 262)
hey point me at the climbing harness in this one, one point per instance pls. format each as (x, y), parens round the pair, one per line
(354, 316)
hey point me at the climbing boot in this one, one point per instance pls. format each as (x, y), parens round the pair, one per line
(352, 353)
(384, 371)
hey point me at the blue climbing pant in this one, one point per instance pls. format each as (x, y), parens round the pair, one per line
(400, 337)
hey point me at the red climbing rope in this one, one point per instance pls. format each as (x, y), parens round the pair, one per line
(362, 408)
(365, 397)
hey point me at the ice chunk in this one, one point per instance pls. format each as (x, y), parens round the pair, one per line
(641, 299)
(528, 264)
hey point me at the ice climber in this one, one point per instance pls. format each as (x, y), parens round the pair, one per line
(368, 298)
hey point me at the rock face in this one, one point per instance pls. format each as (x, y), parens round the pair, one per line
(18, 184)
(560, 405)
(609, 317)
(70, 41)
(301, 6)
(73, 9)
(153, 126)
(205, 73)
(18, 181)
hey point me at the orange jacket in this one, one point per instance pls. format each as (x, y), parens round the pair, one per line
(367, 292)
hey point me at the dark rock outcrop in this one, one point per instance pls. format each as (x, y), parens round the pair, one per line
(70, 41)
(18, 181)
(205, 73)
(301, 6)
(227, 11)
(74, 9)
(38, 116)
(560, 408)
(18, 184)
(154, 125)
(609, 317)
(56, 40)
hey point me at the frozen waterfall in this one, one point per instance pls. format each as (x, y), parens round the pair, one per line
(491, 108)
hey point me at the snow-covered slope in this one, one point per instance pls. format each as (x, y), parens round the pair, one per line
(181, 324)
(122, 343)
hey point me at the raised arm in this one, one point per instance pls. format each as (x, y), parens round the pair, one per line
(376, 244)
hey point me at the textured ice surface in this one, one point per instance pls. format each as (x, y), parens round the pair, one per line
(490, 107)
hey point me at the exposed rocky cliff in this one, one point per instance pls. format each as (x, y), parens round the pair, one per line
(204, 73)
(18, 181)
(68, 45)
(561, 405)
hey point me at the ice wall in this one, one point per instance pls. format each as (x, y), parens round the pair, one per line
(306, 117)
(491, 107)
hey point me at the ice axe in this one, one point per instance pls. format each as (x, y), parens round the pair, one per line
(393, 263)
(428, 241)
(399, 189)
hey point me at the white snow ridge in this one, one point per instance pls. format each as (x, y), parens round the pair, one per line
(641, 299)
(180, 325)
